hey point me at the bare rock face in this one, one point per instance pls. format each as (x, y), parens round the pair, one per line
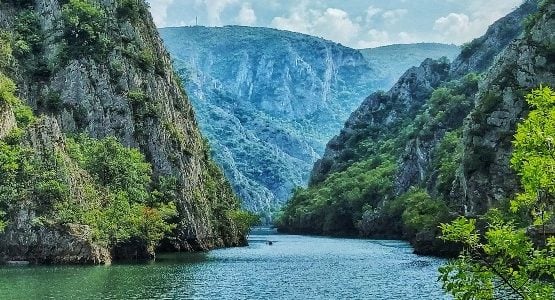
(478, 55)
(7, 120)
(486, 177)
(269, 100)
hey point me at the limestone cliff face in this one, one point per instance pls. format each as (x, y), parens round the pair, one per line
(486, 178)
(478, 55)
(269, 100)
(118, 81)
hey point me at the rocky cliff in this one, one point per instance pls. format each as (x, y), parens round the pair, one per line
(268, 100)
(441, 140)
(485, 178)
(98, 67)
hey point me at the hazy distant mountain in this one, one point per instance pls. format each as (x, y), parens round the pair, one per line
(269, 100)
(393, 60)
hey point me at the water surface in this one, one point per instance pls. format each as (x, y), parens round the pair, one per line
(293, 267)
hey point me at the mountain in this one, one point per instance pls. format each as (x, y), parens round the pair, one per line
(101, 157)
(436, 145)
(268, 100)
(393, 60)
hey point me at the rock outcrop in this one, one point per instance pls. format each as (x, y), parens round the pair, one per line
(486, 178)
(99, 67)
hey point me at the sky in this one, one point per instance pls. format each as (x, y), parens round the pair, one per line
(353, 23)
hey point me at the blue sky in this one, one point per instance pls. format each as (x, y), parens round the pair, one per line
(358, 24)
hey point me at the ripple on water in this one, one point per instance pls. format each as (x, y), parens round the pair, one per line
(294, 267)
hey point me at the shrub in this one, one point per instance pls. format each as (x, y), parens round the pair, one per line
(84, 27)
(131, 9)
(145, 59)
(27, 34)
(244, 220)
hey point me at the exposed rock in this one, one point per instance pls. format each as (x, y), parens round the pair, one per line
(379, 113)
(7, 120)
(486, 178)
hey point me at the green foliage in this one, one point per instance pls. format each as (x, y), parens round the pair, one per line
(27, 34)
(336, 206)
(244, 220)
(533, 156)
(447, 159)
(145, 59)
(421, 211)
(23, 114)
(131, 9)
(175, 133)
(502, 260)
(85, 27)
(137, 96)
(121, 203)
(6, 57)
(120, 169)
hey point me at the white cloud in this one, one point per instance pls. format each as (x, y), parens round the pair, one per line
(374, 38)
(336, 25)
(246, 15)
(353, 23)
(371, 12)
(333, 24)
(393, 16)
(160, 12)
(214, 9)
(457, 24)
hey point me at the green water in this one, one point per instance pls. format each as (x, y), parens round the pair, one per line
(294, 267)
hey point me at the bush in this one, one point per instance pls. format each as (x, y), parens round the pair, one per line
(27, 34)
(5, 50)
(244, 220)
(23, 114)
(131, 9)
(145, 59)
(447, 159)
(85, 27)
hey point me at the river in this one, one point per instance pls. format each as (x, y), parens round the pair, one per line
(293, 267)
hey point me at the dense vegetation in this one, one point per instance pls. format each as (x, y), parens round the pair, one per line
(119, 200)
(361, 198)
(501, 260)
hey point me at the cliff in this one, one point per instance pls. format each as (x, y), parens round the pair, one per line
(99, 68)
(439, 141)
(269, 100)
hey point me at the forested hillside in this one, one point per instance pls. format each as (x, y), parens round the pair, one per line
(436, 145)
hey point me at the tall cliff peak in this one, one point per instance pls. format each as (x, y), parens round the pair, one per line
(99, 68)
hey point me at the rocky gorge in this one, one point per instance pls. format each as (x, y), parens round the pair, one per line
(436, 145)
(268, 100)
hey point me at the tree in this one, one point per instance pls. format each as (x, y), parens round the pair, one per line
(503, 261)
